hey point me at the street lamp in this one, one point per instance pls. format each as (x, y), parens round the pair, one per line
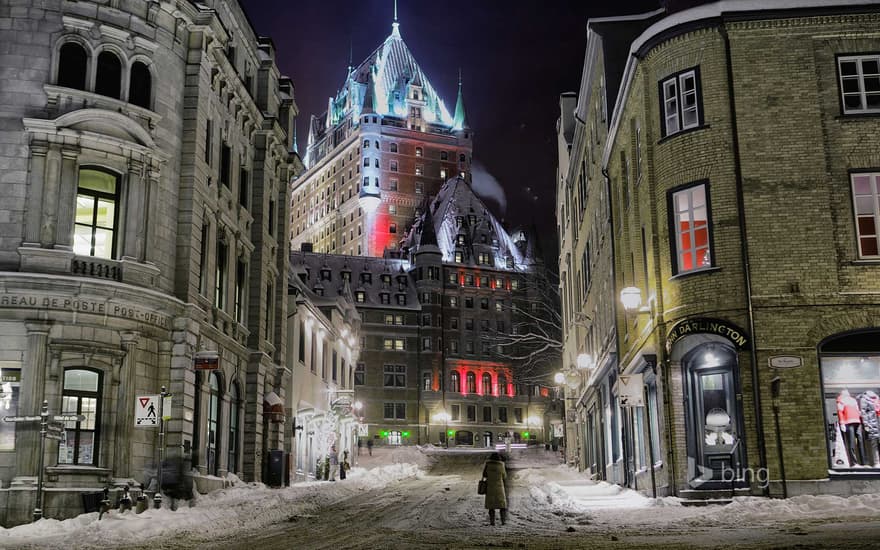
(631, 298)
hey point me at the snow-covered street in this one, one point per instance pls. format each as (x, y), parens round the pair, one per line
(410, 499)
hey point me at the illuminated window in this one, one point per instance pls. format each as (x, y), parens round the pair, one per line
(689, 211)
(866, 199)
(426, 343)
(455, 385)
(453, 301)
(96, 214)
(360, 296)
(459, 258)
(418, 151)
(393, 166)
(502, 388)
(443, 173)
(487, 388)
(860, 83)
(419, 169)
(469, 279)
(427, 382)
(681, 99)
(81, 394)
(420, 188)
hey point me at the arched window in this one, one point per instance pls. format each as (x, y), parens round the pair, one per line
(139, 85)
(455, 382)
(471, 382)
(96, 213)
(81, 394)
(487, 384)
(502, 385)
(213, 443)
(72, 63)
(108, 80)
(234, 421)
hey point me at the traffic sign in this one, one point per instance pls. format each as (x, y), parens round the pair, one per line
(23, 418)
(68, 418)
(146, 411)
(58, 436)
(55, 427)
(630, 390)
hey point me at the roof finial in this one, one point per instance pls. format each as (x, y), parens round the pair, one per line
(459, 77)
(395, 31)
(350, 54)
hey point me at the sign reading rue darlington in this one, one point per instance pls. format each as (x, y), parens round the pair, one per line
(707, 325)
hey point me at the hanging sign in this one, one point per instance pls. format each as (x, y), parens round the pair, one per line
(206, 360)
(630, 390)
(146, 411)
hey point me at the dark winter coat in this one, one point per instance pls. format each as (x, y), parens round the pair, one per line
(868, 411)
(495, 474)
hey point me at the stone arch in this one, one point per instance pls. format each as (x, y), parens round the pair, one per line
(82, 76)
(850, 321)
(108, 123)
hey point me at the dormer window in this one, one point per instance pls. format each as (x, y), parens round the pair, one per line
(401, 299)
(385, 298)
(415, 94)
(326, 275)
(360, 296)
(367, 278)
(319, 290)
(386, 279)
(459, 240)
(472, 219)
(346, 276)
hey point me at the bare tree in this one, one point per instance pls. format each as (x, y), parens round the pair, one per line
(532, 344)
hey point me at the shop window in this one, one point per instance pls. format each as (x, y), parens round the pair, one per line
(690, 223)
(234, 424)
(81, 394)
(10, 382)
(97, 215)
(108, 78)
(866, 202)
(139, 85)
(860, 83)
(850, 367)
(72, 66)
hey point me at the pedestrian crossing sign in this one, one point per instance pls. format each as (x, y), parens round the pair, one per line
(146, 411)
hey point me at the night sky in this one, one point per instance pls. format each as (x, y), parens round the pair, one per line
(515, 56)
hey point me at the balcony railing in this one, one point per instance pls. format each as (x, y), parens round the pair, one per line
(96, 268)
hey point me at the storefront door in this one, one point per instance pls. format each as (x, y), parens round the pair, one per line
(713, 416)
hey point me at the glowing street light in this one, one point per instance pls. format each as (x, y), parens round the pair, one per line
(631, 298)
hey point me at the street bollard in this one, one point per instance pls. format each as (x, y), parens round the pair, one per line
(157, 500)
(141, 501)
(125, 501)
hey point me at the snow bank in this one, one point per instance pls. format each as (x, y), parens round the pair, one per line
(241, 506)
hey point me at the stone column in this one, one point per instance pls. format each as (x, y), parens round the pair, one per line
(33, 385)
(36, 183)
(136, 212)
(51, 185)
(152, 206)
(125, 406)
(66, 206)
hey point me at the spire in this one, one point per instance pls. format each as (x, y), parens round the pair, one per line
(369, 105)
(395, 26)
(428, 235)
(459, 121)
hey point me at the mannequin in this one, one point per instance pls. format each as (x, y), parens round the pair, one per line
(869, 406)
(850, 422)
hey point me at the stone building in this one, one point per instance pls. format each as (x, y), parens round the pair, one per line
(145, 155)
(386, 142)
(743, 195)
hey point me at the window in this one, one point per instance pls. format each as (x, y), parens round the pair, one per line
(484, 303)
(392, 147)
(334, 365)
(139, 84)
(471, 413)
(468, 323)
(456, 412)
(367, 278)
(96, 214)
(469, 347)
(468, 277)
(209, 141)
(455, 384)
(453, 301)
(108, 79)
(690, 225)
(72, 63)
(453, 323)
(487, 386)
(514, 284)
(302, 342)
(426, 319)
(392, 186)
(502, 414)
(484, 324)
(366, 144)
(453, 346)
(395, 411)
(426, 343)
(384, 298)
(420, 188)
(225, 163)
(462, 157)
(243, 187)
(517, 415)
(443, 173)
(395, 344)
(10, 382)
(502, 389)
(401, 299)
(469, 301)
(499, 306)
(681, 102)
(234, 422)
(444, 155)
(81, 394)
(360, 296)
(392, 228)
(427, 382)
(394, 376)
(487, 414)
(213, 440)
(220, 275)
(419, 169)
(360, 374)
(483, 258)
(418, 151)
(860, 83)
(366, 162)
(866, 201)
(240, 290)
(393, 166)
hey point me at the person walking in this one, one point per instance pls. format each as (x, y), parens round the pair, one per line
(333, 457)
(345, 466)
(495, 473)
(370, 446)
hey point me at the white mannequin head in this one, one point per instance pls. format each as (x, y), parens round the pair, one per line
(844, 393)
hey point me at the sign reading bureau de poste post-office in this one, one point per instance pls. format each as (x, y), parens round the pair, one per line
(706, 325)
(83, 305)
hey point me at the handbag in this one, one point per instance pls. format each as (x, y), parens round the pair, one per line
(481, 487)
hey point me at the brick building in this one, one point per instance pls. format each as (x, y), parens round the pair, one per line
(145, 158)
(743, 207)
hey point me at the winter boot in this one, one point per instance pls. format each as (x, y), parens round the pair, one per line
(491, 517)
(503, 516)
